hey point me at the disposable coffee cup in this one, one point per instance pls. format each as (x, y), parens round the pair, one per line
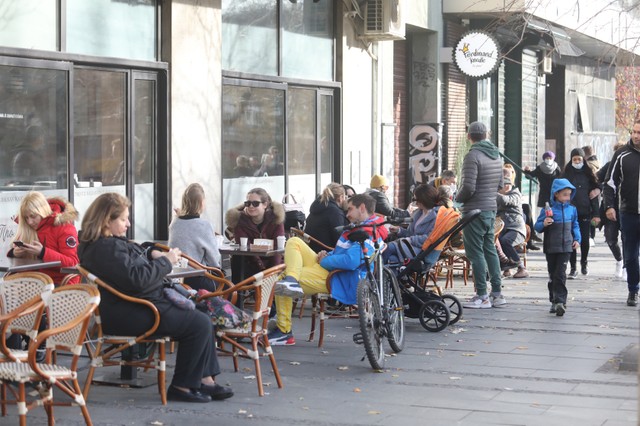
(281, 240)
(243, 243)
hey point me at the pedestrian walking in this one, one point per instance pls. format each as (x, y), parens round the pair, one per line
(561, 237)
(622, 189)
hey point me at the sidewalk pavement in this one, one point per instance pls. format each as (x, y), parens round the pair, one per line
(514, 365)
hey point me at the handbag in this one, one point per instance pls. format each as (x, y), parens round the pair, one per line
(294, 213)
(224, 313)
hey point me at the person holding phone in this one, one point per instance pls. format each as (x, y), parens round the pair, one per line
(46, 231)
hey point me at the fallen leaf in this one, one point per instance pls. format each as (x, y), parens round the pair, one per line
(324, 352)
(455, 378)
(468, 354)
(522, 348)
(357, 390)
(457, 330)
(242, 411)
(343, 368)
(249, 377)
(294, 363)
(375, 412)
(157, 423)
(395, 375)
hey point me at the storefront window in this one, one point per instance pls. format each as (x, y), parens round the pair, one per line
(301, 156)
(252, 142)
(144, 100)
(28, 24)
(307, 33)
(99, 99)
(123, 29)
(33, 138)
(250, 36)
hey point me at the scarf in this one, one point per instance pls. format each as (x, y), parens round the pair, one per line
(548, 170)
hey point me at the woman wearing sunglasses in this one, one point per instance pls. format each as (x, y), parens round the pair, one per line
(257, 217)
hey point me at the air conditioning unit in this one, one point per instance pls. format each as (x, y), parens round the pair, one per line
(547, 65)
(383, 20)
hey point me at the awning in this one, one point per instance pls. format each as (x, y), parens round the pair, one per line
(559, 38)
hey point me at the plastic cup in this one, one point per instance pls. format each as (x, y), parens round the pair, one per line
(243, 243)
(281, 241)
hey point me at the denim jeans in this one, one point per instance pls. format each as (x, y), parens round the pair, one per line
(630, 227)
(480, 249)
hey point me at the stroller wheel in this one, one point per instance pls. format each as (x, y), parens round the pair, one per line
(434, 315)
(455, 307)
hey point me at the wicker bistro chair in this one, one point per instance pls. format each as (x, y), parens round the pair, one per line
(523, 246)
(17, 290)
(69, 311)
(232, 341)
(110, 350)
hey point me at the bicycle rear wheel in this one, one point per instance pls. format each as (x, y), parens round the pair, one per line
(370, 317)
(392, 304)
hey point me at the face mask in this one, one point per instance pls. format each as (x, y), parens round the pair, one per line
(453, 188)
(548, 161)
(577, 165)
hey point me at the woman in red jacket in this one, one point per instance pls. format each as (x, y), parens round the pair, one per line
(46, 231)
(257, 217)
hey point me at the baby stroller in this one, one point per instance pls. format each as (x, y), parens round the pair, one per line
(434, 309)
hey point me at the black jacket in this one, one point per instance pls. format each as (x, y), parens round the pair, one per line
(125, 266)
(586, 207)
(383, 206)
(621, 182)
(544, 183)
(322, 222)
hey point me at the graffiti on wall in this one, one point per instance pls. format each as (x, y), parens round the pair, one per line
(423, 154)
(424, 73)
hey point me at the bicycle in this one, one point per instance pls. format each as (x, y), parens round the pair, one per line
(380, 307)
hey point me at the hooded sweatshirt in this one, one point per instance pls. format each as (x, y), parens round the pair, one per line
(481, 177)
(559, 236)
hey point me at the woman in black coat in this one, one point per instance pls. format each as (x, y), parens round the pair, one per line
(129, 268)
(586, 202)
(325, 214)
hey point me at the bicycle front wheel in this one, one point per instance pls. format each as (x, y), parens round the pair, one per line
(370, 317)
(394, 310)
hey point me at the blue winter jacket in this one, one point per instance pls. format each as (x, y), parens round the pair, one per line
(348, 256)
(559, 236)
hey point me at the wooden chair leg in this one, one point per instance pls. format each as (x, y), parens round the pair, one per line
(272, 358)
(314, 313)
(162, 365)
(322, 318)
(256, 363)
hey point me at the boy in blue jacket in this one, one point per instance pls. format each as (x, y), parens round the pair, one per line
(306, 271)
(561, 237)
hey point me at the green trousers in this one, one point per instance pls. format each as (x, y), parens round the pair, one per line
(480, 249)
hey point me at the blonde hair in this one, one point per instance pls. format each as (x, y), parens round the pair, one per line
(32, 203)
(512, 170)
(104, 209)
(192, 199)
(331, 192)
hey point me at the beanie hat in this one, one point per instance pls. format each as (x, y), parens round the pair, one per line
(577, 151)
(548, 154)
(377, 181)
(477, 128)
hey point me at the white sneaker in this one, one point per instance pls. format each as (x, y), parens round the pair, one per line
(477, 302)
(289, 289)
(498, 301)
(619, 269)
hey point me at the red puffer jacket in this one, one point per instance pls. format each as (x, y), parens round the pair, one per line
(59, 237)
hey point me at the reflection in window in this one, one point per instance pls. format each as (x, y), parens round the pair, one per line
(125, 29)
(301, 122)
(142, 157)
(307, 27)
(99, 134)
(250, 36)
(33, 129)
(252, 142)
(28, 24)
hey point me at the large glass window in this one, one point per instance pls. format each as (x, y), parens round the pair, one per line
(307, 33)
(301, 46)
(33, 138)
(144, 141)
(252, 142)
(123, 29)
(99, 108)
(301, 156)
(28, 24)
(250, 36)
